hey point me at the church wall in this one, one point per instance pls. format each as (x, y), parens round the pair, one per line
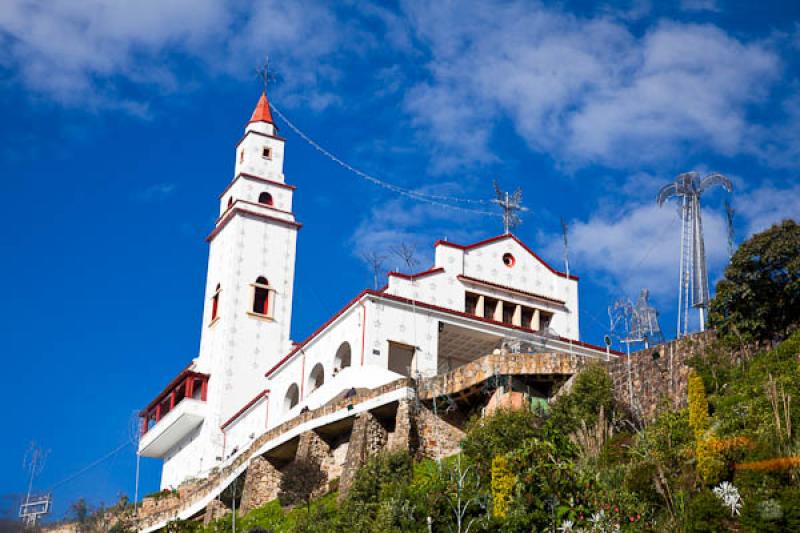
(192, 457)
(390, 321)
(321, 349)
(442, 289)
(248, 426)
(528, 274)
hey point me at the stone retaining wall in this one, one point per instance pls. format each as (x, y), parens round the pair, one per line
(657, 377)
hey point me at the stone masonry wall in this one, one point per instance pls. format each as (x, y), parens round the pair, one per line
(215, 509)
(657, 381)
(368, 437)
(404, 436)
(261, 484)
(438, 438)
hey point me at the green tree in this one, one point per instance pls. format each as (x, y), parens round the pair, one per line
(759, 297)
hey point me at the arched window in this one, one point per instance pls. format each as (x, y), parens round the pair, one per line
(292, 397)
(230, 201)
(265, 198)
(215, 303)
(342, 358)
(315, 378)
(261, 291)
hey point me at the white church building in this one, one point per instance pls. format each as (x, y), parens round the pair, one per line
(249, 376)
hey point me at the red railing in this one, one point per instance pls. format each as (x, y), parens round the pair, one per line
(187, 384)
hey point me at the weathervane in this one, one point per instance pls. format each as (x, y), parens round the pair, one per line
(509, 203)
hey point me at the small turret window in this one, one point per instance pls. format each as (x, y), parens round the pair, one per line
(230, 202)
(266, 152)
(265, 198)
(261, 290)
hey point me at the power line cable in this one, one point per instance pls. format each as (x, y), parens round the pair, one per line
(440, 200)
(88, 467)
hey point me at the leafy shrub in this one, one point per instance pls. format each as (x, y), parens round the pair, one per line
(707, 514)
(592, 392)
(499, 434)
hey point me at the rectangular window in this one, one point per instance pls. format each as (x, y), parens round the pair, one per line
(471, 303)
(266, 152)
(401, 358)
(544, 321)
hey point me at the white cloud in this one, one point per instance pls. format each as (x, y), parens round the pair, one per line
(700, 5)
(80, 53)
(585, 90)
(636, 246)
(401, 220)
(769, 204)
(157, 192)
(633, 246)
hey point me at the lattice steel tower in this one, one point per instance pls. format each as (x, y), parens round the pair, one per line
(693, 281)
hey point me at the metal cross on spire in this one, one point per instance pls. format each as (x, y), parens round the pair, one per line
(266, 74)
(510, 203)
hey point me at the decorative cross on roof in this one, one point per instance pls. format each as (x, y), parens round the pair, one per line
(510, 203)
(266, 74)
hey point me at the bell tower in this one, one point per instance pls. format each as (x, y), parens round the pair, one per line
(248, 305)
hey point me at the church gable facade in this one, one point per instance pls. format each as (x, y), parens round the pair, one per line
(249, 377)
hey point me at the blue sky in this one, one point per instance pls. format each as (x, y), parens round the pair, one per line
(119, 122)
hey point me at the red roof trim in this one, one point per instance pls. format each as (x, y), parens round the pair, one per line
(254, 204)
(299, 346)
(499, 238)
(185, 373)
(477, 281)
(267, 135)
(247, 212)
(241, 411)
(432, 270)
(255, 178)
(426, 305)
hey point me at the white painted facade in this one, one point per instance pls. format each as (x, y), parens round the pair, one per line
(471, 301)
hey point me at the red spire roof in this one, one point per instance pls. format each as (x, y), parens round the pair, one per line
(262, 112)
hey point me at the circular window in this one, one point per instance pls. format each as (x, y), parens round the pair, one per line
(508, 260)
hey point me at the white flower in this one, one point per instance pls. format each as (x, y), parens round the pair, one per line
(730, 497)
(566, 526)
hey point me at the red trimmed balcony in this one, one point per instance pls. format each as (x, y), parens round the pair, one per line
(179, 409)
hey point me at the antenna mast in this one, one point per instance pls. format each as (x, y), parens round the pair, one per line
(693, 281)
(510, 203)
(35, 505)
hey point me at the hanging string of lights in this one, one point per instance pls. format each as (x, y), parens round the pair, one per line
(434, 199)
